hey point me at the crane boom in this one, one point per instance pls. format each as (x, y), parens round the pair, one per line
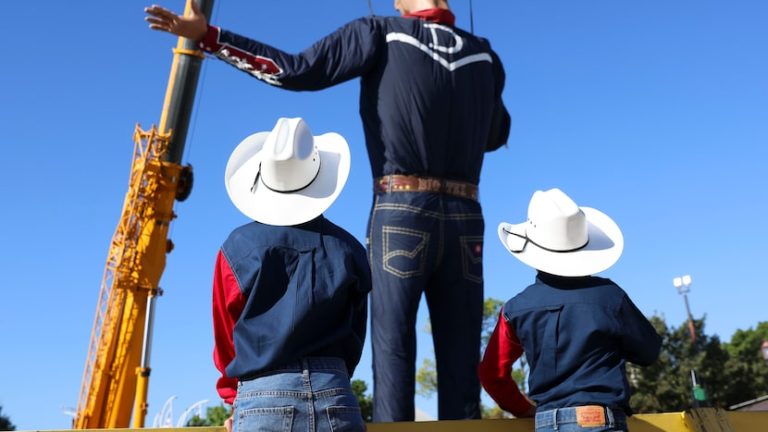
(116, 375)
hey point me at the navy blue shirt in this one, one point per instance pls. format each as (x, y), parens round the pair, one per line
(577, 334)
(283, 293)
(430, 96)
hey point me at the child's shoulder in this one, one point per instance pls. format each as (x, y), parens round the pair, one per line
(249, 233)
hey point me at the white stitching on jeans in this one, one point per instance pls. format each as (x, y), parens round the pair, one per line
(414, 209)
(467, 258)
(388, 254)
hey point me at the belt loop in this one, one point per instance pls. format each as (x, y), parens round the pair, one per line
(611, 420)
(389, 183)
(554, 419)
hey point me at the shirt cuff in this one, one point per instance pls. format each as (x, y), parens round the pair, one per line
(210, 42)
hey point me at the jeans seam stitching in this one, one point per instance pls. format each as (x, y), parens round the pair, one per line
(370, 229)
(414, 209)
(466, 257)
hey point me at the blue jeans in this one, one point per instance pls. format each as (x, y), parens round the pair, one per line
(310, 395)
(429, 243)
(567, 420)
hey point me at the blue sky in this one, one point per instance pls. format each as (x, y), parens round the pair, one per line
(655, 112)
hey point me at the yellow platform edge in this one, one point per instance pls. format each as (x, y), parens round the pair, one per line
(697, 420)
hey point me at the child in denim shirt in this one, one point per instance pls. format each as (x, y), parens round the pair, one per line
(290, 289)
(576, 330)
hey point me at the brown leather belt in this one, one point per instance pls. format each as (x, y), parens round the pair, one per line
(406, 183)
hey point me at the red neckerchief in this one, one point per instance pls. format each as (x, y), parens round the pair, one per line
(438, 15)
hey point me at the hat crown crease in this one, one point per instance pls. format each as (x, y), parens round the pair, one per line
(556, 222)
(291, 160)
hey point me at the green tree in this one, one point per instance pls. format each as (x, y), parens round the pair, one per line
(359, 387)
(5, 422)
(197, 421)
(746, 368)
(214, 416)
(729, 372)
(426, 378)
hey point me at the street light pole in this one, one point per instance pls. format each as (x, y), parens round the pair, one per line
(683, 286)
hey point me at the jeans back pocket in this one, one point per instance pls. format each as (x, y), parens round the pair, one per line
(404, 251)
(275, 419)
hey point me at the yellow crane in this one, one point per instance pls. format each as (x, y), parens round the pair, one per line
(116, 376)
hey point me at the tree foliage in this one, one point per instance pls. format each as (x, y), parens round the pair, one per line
(5, 422)
(729, 372)
(426, 378)
(359, 388)
(214, 416)
(746, 367)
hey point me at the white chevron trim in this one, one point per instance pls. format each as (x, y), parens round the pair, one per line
(451, 66)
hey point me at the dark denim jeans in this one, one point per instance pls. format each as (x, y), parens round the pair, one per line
(567, 420)
(427, 243)
(310, 395)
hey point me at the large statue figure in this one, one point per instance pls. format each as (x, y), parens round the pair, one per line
(430, 102)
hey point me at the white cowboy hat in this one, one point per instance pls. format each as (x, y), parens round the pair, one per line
(287, 176)
(562, 238)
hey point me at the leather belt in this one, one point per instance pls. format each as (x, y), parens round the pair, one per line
(406, 183)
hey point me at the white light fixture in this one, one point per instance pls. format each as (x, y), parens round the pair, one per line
(683, 284)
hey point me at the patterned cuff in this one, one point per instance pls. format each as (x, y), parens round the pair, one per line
(210, 43)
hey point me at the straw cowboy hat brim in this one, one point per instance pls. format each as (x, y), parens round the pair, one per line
(602, 250)
(265, 205)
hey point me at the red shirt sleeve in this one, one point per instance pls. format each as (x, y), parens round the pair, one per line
(228, 304)
(210, 42)
(495, 370)
(243, 59)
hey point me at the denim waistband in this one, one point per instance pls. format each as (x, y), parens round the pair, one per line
(560, 416)
(308, 363)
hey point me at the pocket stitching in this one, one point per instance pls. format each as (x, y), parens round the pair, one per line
(387, 254)
(285, 414)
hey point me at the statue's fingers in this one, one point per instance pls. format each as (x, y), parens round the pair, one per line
(159, 27)
(156, 21)
(161, 12)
